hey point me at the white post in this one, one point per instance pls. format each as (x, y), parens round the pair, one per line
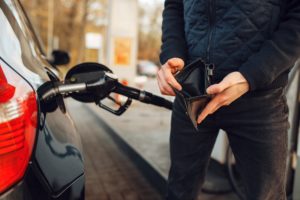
(123, 38)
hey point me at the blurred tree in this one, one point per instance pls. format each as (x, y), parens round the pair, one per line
(150, 19)
(38, 13)
(71, 19)
(97, 22)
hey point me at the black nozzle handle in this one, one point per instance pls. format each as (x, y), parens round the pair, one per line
(143, 96)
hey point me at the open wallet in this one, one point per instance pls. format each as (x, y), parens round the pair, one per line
(194, 78)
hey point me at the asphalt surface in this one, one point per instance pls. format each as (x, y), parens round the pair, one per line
(110, 174)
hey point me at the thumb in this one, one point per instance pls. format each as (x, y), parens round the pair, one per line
(214, 89)
(218, 88)
(176, 62)
(229, 80)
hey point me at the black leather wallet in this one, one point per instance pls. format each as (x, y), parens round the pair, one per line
(194, 79)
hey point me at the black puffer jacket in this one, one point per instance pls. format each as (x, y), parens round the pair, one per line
(259, 38)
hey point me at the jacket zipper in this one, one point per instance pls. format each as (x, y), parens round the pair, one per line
(211, 19)
(210, 66)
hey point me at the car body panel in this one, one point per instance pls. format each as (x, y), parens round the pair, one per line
(29, 190)
(63, 163)
(56, 168)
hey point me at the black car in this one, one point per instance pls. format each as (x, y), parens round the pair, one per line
(40, 154)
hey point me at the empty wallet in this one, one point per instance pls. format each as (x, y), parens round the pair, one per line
(195, 78)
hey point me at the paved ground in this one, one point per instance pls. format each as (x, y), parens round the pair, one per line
(110, 175)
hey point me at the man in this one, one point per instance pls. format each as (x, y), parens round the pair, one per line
(252, 45)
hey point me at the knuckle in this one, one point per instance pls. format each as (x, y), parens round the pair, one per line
(165, 88)
(229, 82)
(219, 88)
(168, 79)
(223, 98)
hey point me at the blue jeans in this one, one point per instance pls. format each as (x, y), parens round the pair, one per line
(256, 125)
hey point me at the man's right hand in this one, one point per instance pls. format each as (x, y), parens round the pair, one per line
(165, 76)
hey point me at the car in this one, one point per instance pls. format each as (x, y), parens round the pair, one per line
(40, 152)
(147, 68)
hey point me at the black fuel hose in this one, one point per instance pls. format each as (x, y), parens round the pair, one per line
(143, 96)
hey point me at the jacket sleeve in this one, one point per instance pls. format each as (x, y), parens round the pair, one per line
(277, 54)
(173, 36)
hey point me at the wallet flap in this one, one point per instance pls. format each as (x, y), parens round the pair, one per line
(188, 69)
(192, 79)
(195, 106)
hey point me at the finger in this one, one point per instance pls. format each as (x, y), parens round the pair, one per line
(217, 102)
(214, 89)
(162, 91)
(216, 108)
(161, 86)
(170, 79)
(210, 107)
(220, 87)
(230, 80)
(223, 99)
(176, 62)
(165, 86)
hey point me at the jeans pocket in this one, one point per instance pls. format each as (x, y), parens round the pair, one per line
(274, 93)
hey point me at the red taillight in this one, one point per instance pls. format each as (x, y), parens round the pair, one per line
(18, 122)
(6, 90)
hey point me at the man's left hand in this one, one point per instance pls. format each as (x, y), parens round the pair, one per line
(233, 86)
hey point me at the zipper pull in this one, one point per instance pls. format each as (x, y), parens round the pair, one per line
(210, 69)
(210, 73)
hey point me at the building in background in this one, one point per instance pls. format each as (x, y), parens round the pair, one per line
(113, 32)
